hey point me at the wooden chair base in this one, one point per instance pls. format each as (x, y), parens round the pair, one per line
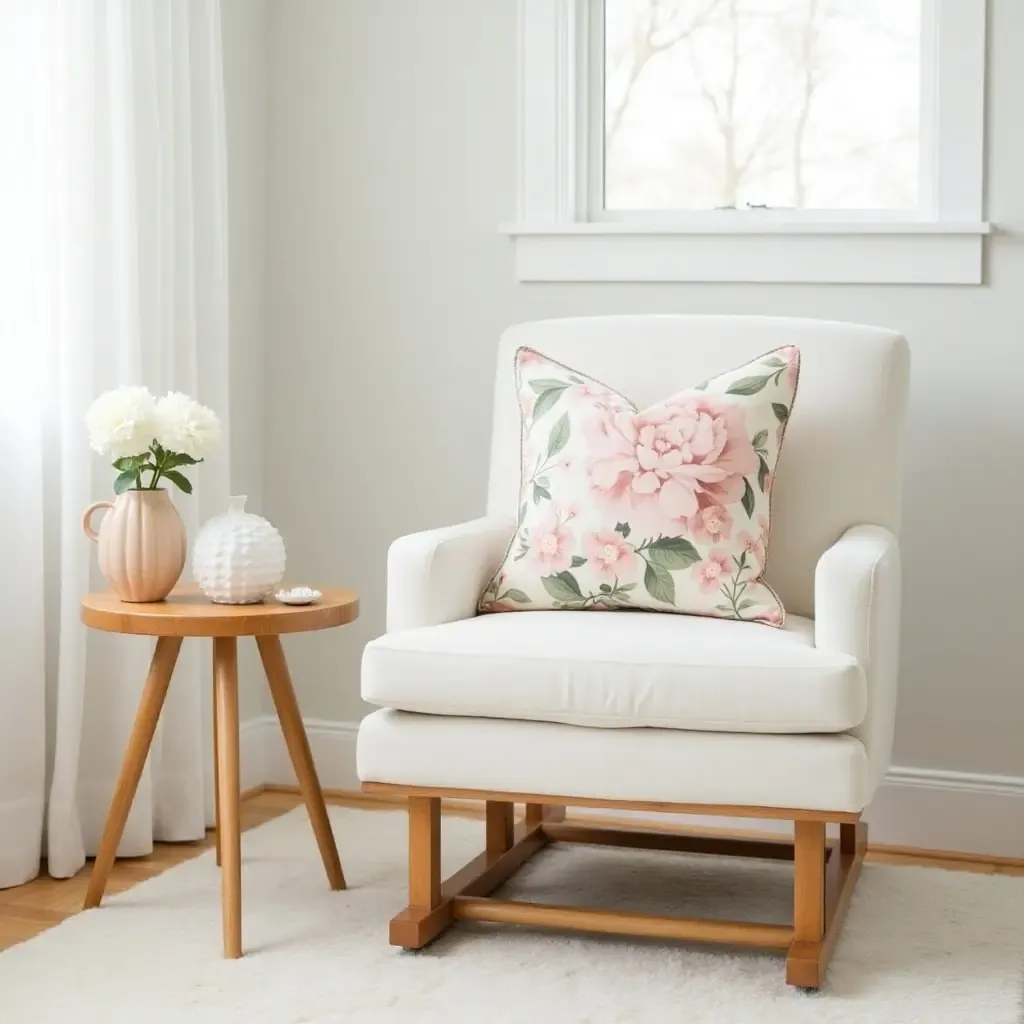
(824, 876)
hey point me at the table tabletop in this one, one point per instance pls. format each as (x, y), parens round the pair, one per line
(187, 612)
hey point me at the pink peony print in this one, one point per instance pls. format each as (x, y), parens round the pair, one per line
(527, 357)
(772, 616)
(609, 555)
(668, 463)
(792, 356)
(551, 543)
(711, 524)
(713, 571)
(754, 547)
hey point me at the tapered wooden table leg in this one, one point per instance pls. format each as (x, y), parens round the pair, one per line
(160, 670)
(225, 684)
(288, 714)
(216, 758)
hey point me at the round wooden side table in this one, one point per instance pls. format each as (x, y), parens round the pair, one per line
(186, 612)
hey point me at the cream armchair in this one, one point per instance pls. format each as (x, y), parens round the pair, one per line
(650, 711)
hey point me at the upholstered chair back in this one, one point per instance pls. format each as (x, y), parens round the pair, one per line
(842, 460)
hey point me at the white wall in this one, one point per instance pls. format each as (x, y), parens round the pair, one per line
(391, 159)
(244, 37)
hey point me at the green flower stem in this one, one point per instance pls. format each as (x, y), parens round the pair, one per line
(733, 596)
(157, 469)
(159, 456)
(542, 467)
(596, 598)
(639, 550)
(159, 462)
(731, 599)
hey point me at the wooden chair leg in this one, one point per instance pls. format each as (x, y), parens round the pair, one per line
(432, 904)
(848, 835)
(225, 685)
(216, 760)
(536, 813)
(804, 965)
(161, 669)
(289, 716)
(500, 821)
(424, 852)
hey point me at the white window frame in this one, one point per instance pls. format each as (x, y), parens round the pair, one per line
(559, 237)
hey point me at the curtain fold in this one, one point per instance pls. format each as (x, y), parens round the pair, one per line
(115, 184)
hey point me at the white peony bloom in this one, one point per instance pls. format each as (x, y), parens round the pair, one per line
(122, 422)
(185, 426)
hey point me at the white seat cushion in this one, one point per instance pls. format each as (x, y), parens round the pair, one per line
(619, 671)
(473, 755)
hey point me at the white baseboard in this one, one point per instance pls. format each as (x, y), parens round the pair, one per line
(333, 745)
(943, 810)
(917, 807)
(252, 750)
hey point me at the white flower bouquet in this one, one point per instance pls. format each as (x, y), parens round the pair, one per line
(150, 437)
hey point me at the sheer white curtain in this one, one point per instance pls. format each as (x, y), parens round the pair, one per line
(113, 270)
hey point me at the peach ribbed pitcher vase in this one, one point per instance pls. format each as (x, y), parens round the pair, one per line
(141, 542)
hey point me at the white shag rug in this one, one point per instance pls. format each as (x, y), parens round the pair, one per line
(919, 946)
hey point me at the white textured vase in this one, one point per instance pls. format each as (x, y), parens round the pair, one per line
(238, 557)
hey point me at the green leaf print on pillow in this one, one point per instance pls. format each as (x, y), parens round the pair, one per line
(748, 499)
(747, 385)
(670, 552)
(559, 435)
(548, 397)
(659, 583)
(562, 586)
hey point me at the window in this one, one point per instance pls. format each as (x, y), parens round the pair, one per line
(754, 104)
(751, 140)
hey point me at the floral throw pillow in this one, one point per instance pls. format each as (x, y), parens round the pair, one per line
(665, 508)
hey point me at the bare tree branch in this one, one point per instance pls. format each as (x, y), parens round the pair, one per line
(647, 42)
(761, 70)
(808, 66)
(723, 109)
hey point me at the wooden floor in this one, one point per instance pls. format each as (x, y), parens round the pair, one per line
(29, 909)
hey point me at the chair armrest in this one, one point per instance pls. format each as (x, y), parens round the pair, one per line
(857, 612)
(438, 576)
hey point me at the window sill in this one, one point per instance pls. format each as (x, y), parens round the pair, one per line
(769, 251)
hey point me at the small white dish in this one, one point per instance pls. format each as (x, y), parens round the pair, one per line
(299, 595)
